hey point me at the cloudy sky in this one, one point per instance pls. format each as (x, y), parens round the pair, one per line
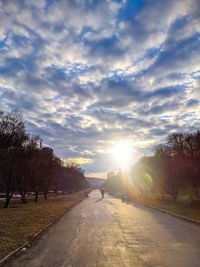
(88, 73)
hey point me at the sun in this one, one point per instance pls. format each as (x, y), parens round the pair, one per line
(122, 153)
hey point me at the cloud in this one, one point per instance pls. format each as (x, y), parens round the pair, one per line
(85, 73)
(80, 161)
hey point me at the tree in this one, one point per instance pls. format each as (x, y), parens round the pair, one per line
(167, 166)
(23, 165)
(48, 164)
(114, 183)
(12, 138)
(27, 167)
(175, 164)
(71, 177)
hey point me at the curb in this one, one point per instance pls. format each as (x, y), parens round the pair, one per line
(197, 222)
(15, 252)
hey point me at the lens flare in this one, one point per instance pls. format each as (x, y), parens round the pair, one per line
(123, 154)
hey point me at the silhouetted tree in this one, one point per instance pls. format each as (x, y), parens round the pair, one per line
(23, 165)
(71, 178)
(12, 138)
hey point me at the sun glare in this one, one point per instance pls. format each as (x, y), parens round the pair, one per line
(123, 154)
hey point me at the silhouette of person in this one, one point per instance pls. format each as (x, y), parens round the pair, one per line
(102, 193)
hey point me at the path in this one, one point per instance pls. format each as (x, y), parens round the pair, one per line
(112, 233)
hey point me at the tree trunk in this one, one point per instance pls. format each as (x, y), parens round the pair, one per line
(36, 197)
(23, 198)
(191, 193)
(45, 195)
(7, 202)
(174, 196)
(8, 198)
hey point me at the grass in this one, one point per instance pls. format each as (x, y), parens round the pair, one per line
(180, 207)
(21, 221)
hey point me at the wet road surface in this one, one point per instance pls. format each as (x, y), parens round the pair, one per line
(112, 233)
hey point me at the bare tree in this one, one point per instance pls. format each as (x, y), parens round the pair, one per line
(12, 137)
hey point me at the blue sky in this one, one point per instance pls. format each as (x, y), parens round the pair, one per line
(88, 73)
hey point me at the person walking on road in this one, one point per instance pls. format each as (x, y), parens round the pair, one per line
(102, 193)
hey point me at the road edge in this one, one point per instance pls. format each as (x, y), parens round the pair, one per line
(18, 250)
(197, 222)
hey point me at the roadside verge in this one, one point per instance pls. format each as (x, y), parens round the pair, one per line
(190, 213)
(191, 220)
(21, 224)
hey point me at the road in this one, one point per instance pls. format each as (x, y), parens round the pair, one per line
(112, 233)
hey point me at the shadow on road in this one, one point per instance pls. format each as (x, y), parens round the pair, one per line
(99, 200)
(126, 201)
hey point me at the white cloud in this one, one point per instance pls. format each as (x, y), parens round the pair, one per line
(83, 77)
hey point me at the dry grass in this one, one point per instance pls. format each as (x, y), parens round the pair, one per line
(20, 222)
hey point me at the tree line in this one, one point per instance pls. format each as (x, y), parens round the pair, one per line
(173, 168)
(27, 167)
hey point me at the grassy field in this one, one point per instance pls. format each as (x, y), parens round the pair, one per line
(20, 222)
(190, 210)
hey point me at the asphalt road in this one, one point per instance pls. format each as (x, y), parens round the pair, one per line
(111, 233)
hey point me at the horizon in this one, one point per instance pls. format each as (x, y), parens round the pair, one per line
(88, 75)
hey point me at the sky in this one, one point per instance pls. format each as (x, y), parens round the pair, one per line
(89, 73)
